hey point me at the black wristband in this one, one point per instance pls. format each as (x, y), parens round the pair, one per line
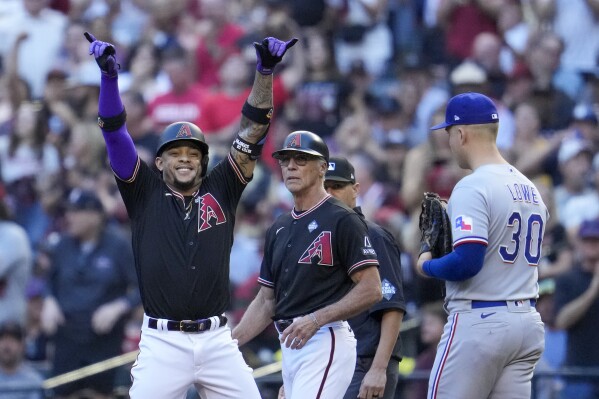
(258, 115)
(113, 123)
(252, 150)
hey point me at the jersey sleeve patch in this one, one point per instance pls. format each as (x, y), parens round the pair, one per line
(463, 223)
(388, 289)
(237, 171)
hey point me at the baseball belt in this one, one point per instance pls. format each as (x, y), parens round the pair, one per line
(281, 325)
(491, 304)
(188, 326)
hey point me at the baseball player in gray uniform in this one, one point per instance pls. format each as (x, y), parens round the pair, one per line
(494, 335)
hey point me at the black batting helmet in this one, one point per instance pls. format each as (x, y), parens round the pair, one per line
(304, 141)
(187, 131)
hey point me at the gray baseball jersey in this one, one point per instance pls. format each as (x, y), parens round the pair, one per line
(494, 336)
(500, 207)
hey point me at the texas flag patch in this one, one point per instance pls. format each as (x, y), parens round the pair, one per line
(463, 223)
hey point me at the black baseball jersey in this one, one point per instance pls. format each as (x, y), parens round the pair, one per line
(309, 257)
(367, 325)
(182, 245)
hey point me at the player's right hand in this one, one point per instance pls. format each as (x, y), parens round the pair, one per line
(105, 55)
(298, 333)
(270, 52)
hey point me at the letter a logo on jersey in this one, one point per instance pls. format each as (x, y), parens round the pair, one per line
(184, 131)
(209, 209)
(320, 249)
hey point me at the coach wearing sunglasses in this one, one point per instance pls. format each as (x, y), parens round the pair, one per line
(319, 269)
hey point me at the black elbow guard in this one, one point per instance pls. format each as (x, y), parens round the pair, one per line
(258, 115)
(112, 123)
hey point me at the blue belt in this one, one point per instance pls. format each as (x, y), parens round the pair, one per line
(491, 304)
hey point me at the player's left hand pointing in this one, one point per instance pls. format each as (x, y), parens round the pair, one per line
(298, 333)
(104, 53)
(270, 52)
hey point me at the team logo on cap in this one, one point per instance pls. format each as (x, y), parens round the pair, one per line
(184, 131)
(456, 118)
(494, 116)
(295, 141)
(331, 165)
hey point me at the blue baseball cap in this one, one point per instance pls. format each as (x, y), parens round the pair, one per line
(469, 109)
(589, 229)
(84, 200)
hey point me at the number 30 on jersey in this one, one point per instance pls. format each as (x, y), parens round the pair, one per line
(533, 239)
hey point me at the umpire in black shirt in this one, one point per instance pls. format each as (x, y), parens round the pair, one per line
(376, 330)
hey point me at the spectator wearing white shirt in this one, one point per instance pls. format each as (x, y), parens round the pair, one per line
(45, 33)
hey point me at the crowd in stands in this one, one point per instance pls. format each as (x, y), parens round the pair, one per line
(369, 76)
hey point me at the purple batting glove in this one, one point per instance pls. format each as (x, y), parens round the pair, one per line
(105, 55)
(270, 52)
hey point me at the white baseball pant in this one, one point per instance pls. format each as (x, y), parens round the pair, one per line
(170, 362)
(324, 367)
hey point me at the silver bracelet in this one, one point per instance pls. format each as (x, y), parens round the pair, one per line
(313, 317)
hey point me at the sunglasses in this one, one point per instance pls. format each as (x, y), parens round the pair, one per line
(300, 159)
(335, 185)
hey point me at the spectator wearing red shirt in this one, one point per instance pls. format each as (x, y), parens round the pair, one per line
(185, 100)
(221, 107)
(463, 20)
(218, 41)
(219, 120)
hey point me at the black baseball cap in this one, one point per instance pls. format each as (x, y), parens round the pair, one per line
(340, 170)
(12, 329)
(84, 200)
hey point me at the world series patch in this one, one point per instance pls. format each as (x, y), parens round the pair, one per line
(388, 290)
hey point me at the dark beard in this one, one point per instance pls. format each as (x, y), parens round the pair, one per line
(180, 186)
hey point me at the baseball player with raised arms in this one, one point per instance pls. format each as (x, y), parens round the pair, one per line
(319, 269)
(494, 335)
(182, 231)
